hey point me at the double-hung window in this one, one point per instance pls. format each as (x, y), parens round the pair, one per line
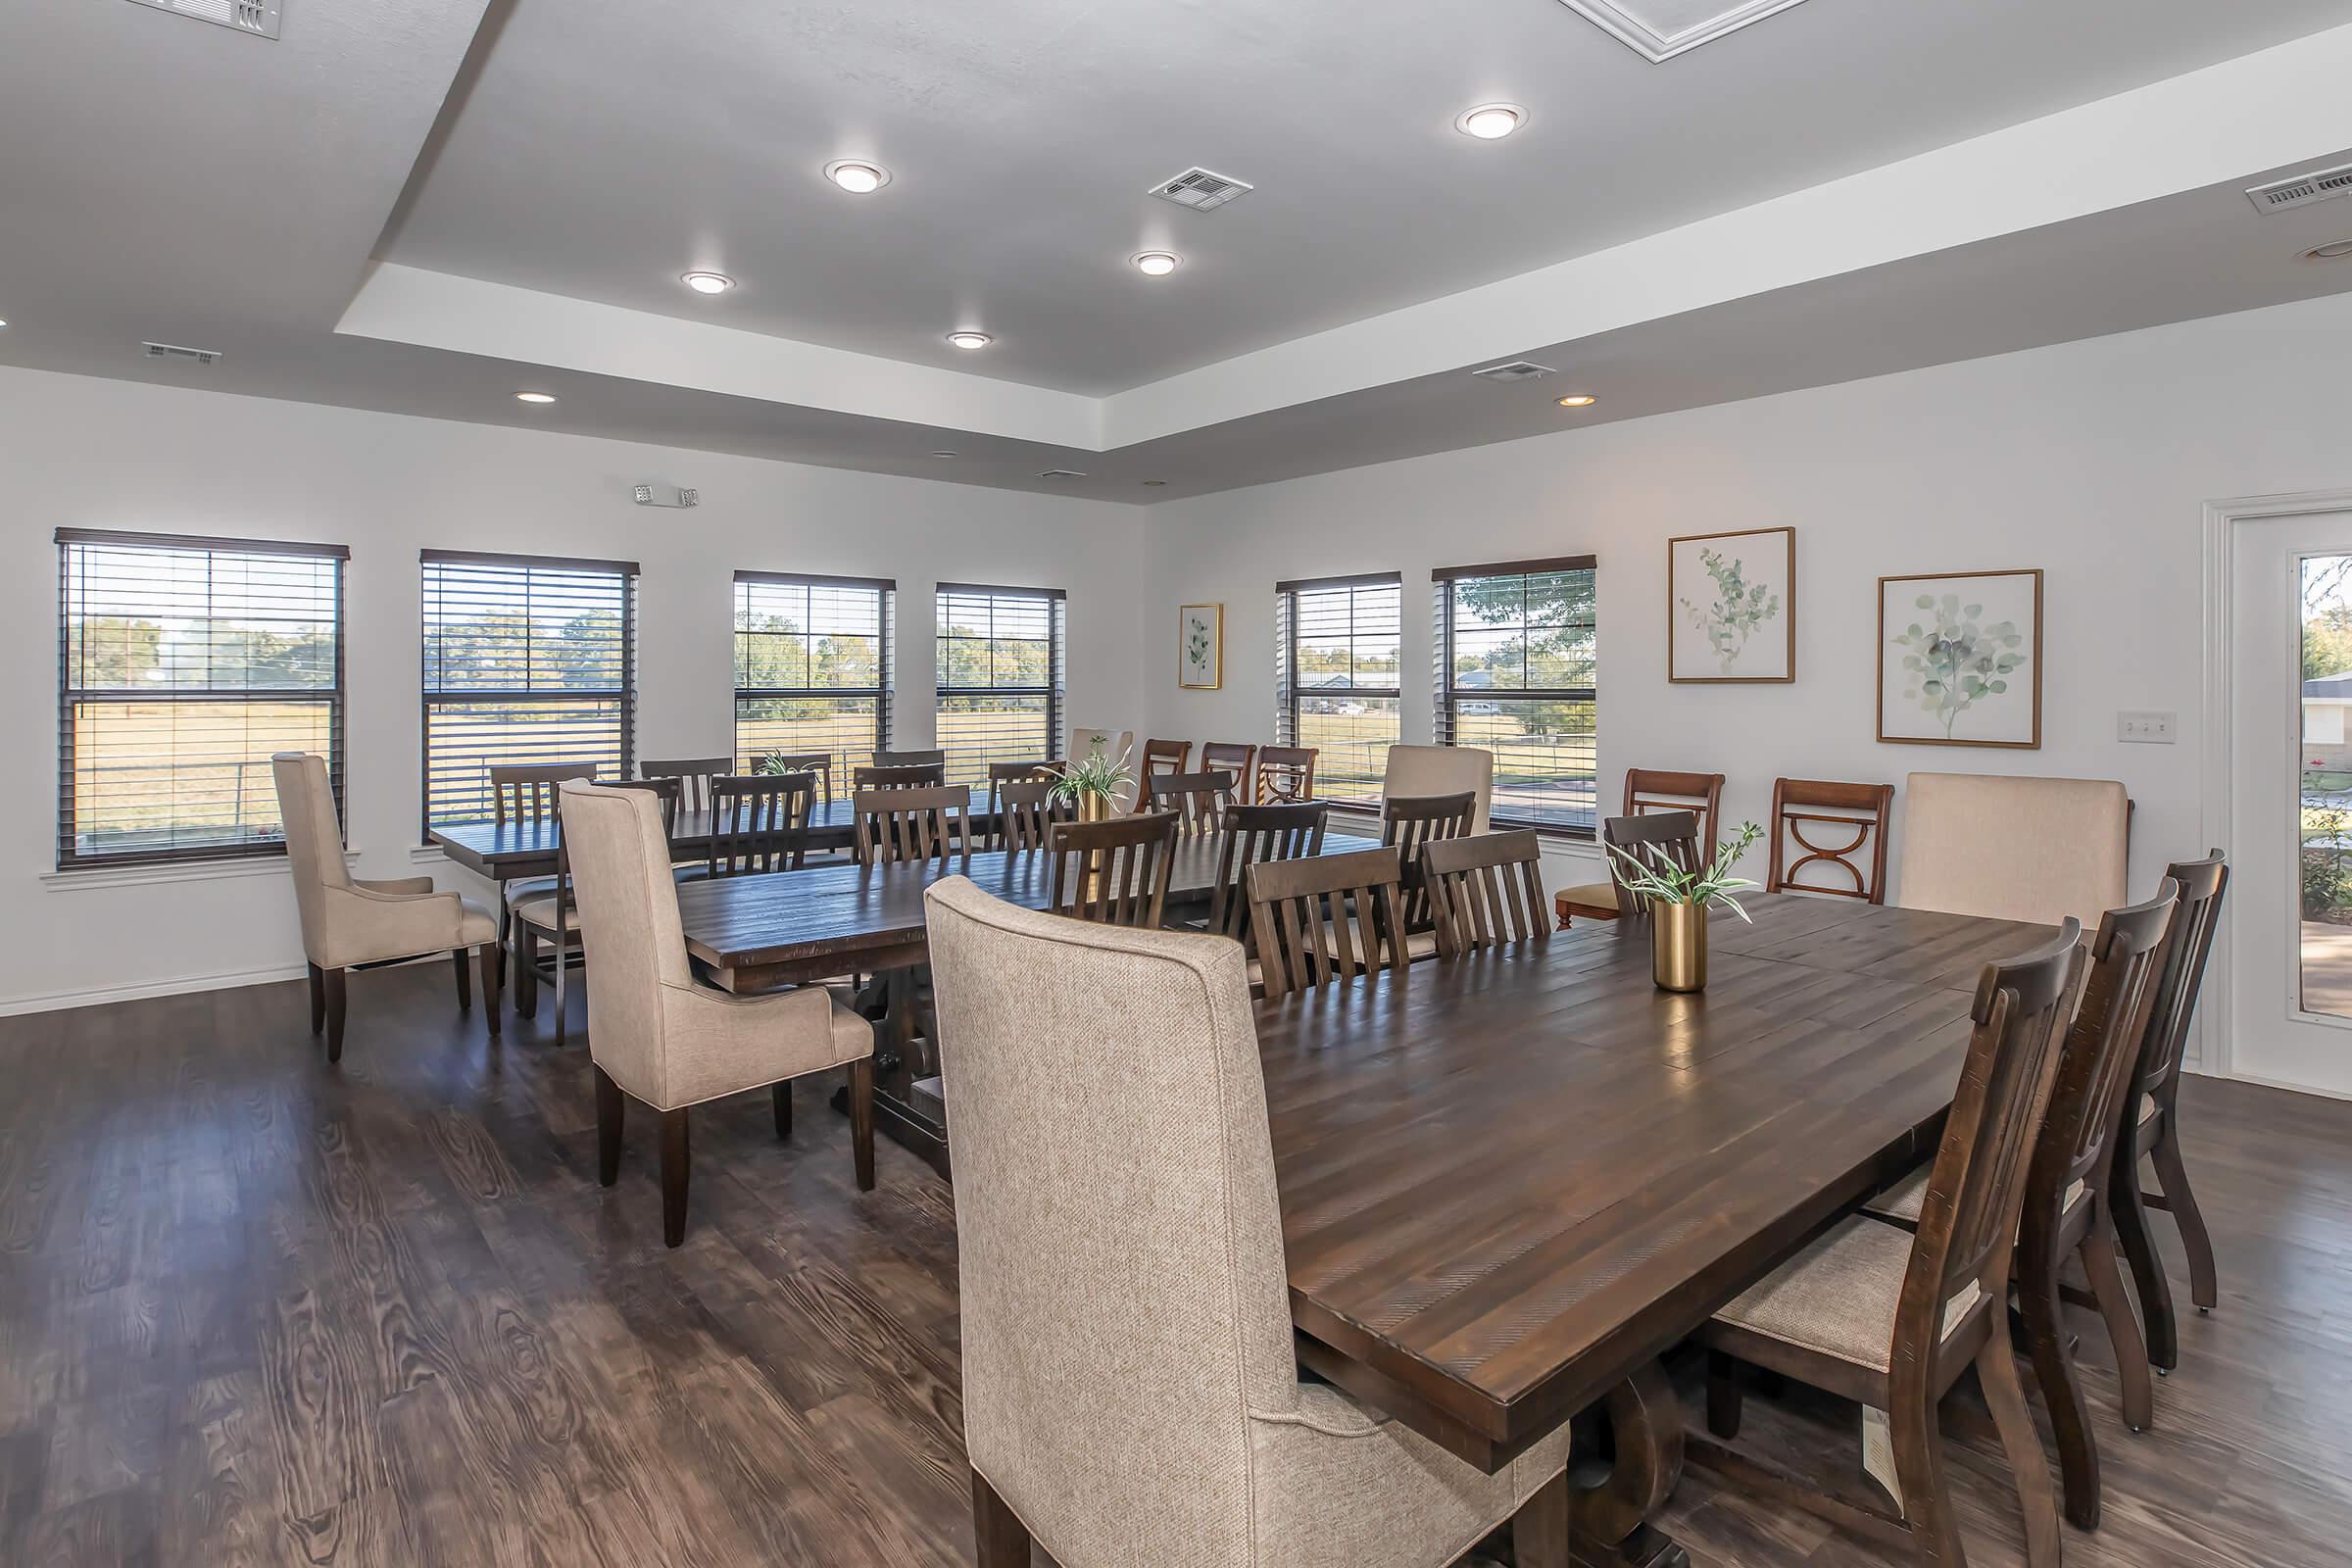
(812, 667)
(528, 659)
(1337, 667)
(1001, 676)
(1516, 675)
(183, 663)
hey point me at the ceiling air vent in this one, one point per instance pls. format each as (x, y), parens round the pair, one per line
(1516, 370)
(2321, 185)
(1061, 474)
(1660, 29)
(260, 18)
(1201, 190)
(172, 351)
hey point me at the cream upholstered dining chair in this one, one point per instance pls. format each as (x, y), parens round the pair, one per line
(661, 1036)
(2015, 849)
(1130, 1393)
(350, 924)
(1422, 770)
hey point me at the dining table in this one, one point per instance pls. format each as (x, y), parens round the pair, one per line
(1511, 1182)
(505, 852)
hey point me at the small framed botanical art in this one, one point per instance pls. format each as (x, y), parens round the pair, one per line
(1201, 647)
(1731, 607)
(1960, 659)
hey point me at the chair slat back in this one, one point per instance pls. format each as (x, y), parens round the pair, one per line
(1820, 830)
(693, 774)
(1409, 823)
(1651, 788)
(819, 763)
(1001, 774)
(1659, 840)
(2202, 885)
(1325, 918)
(1484, 890)
(1159, 758)
(898, 776)
(1114, 872)
(759, 823)
(1026, 811)
(1249, 835)
(1196, 800)
(2101, 1053)
(526, 792)
(1232, 757)
(1286, 774)
(895, 825)
(929, 757)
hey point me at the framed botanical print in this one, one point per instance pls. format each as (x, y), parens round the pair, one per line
(1201, 647)
(1960, 659)
(1731, 607)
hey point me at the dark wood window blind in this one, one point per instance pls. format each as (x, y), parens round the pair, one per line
(812, 667)
(1002, 672)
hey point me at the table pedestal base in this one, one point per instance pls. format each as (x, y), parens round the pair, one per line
(1622, 1465)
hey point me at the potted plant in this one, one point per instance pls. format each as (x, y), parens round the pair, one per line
(1093, 784)
(1677, 906)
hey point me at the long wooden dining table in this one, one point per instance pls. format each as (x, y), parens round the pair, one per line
(505, 850)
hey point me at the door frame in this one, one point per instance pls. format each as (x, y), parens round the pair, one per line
(2212, 1049)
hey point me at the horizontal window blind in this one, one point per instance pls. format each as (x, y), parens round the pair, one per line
(526, 659)
(1001, 677)
(183, 663)
(811, 669)
(1516, 674)
(1337, 676)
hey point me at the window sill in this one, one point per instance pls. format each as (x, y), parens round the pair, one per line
(151, 874)
(428, 854)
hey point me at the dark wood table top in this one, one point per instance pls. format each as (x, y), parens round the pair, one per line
(1509, 1181)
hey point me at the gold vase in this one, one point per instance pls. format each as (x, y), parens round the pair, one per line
(1093, 808)
(1678, 945)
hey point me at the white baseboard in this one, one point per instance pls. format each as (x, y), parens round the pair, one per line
(53, 1000)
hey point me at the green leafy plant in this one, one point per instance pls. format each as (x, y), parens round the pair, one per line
(1956, 662)
(1649, 874)
(2327, 883)
(771, 763)
(1740, 608)
(1097, 775)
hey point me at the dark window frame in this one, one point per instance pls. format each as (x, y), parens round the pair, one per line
(1448, 694)
(886, 589)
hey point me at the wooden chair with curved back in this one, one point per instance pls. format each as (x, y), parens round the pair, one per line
(1820, 830)
(1286, 774)
(1648, 791)
(1232, 757)
(1659, 840)
(1486, 889)
(1196, 800)
(1159, 759)
(1113, 872)
(1325, 917)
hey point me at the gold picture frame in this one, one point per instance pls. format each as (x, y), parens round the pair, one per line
(1200, 647)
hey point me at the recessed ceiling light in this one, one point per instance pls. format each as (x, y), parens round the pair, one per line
(707, 282)
(1578, 399)
(943, 454)
(534, 397)
(2336, 252)
(3, 324)
(1491, 122)
(1156, 264)
(970, 340)
(1153, 484)
(858, 178)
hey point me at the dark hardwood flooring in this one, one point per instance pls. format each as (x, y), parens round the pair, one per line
(256, 1310)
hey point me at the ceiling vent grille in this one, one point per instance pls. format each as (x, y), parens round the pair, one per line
(2321, 185)
(1660, 29)
(259, 17)
(1516, 370)
(172, 351)
(1061, 474)
(1201, 190)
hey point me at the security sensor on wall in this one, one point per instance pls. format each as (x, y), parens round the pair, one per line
(648, 497)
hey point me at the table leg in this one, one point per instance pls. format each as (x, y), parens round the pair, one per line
(1628, 1456)
(898, 1064)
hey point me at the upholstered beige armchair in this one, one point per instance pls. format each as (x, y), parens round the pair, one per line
(1415, 770)
(664, 1038)
(349, 925)
(1130, 1394)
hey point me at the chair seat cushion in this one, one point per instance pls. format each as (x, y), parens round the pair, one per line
(1586, 897)
(528, 887)
(540, 915)
(2147, 1108)
(1838, 1297)
(1906, 1198)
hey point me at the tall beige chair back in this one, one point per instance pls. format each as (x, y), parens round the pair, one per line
(1414, 770)
(629, 928)
(2015, 849)
(313, 840)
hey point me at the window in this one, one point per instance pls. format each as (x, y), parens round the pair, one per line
(1000, 677)
(183, 663)
(526, 659)
(1516, 675)
(812, 667)
(1335, 678)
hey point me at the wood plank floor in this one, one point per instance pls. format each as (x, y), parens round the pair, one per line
(256, 1310)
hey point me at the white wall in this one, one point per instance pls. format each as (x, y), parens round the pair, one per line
(94, 453)
(2091, 460)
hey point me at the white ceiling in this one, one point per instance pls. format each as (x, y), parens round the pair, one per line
(1846, 188)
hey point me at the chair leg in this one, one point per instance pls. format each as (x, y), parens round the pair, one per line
(318, 998)
(563, 968)
(861, 1120)
(487, 959)
(780, 1097)
(1919, 1466)
(611, 1108)
(1539, 1529)
(2054, 1372)
(1996, 1369)
(2147, 1268)
(2204, 1287)
(2122, 1330)
(675, 1159)
(1001, 1538)
(527, 972)
(334, 1013)
(1724, 1394)
(457, 967)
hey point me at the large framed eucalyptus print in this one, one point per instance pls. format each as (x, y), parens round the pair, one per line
(1960, 659)
(1730, 607)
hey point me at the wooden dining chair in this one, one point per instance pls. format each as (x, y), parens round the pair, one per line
(1647, 791)
(547, 927)
(897, 776)
(1026, 811)
(693, 774)
(2067, 1216)
(1002, 773)
(1409, 823)
(929, 757)
(759, 823)
(1232, 757)
(819, 763)
(1820, 830)
(1196, 800)
(1327, 917)
(1249, 836)
(1658, 840)
(1486, 889)
(1286, 774)
(1891, 1319)
(526, 792)
(2154, 1114)
(1159, 758)
(897, 825)
(1113, 872)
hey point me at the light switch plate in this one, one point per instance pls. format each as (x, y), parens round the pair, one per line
(2147, 728)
